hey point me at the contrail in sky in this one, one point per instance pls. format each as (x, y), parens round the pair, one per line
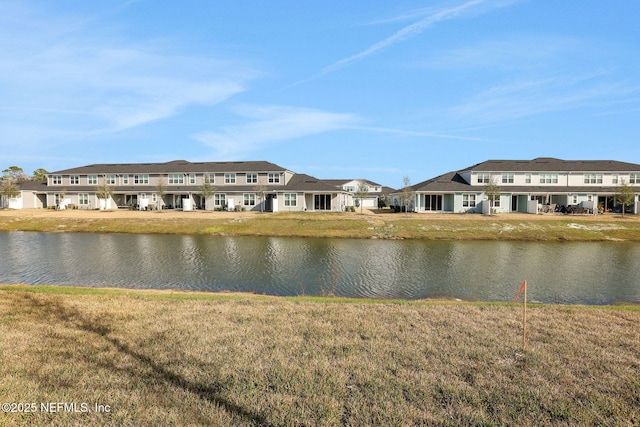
(403, 34)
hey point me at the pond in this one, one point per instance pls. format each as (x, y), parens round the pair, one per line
(575, 273)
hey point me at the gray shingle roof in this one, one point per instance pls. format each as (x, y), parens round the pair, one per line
(33, 185)
(549, 164)
(453, 181)
(450, 181)
(303, 182)
(175, 166)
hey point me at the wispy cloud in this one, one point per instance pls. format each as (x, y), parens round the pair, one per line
(419, 134)
(271, 124)
(426, 18)
(523, 98)
(519, 52)
(58, 72)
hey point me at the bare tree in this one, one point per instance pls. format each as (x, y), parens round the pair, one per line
(207, 190)
(161, 189)
(407, 193)
(9, 189)
(492, 191)
(104, 192)
(624, 195)
(362, 191)
(261, 191)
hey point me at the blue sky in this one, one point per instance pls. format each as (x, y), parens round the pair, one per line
(334, 89)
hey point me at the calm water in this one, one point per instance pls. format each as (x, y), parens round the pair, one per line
(589, 273)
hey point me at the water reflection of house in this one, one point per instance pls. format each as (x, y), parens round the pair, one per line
(541, 184)
(251, 185)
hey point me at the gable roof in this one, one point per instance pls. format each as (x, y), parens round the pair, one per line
(32, 185)
(550, 164)
(303, 182)
(340, 182)
(454, 182)
(451, 181)
(172, 166)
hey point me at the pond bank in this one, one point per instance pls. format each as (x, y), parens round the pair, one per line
(367, 225)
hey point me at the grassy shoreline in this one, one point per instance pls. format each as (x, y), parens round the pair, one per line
(515, 227)
(159, 358)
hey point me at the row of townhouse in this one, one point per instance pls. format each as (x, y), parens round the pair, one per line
(541, 184)
(525, 186)
(179, 184)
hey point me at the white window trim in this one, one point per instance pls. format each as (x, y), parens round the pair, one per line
(247, 197)
(470, 198)
(175, 178)
(291, 197)
(273, 178)
(508, 178)
(229, 178)
(484, 178)
(141, 179)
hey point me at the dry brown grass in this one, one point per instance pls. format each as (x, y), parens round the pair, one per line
(370, 224)
(191, 359)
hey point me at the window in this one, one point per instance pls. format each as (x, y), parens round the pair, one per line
(154, 198)
(527, 178)
(507, 178)
(290, 199)
(592, 178)
(210, 178)
(495, 201)
(252, 178)
(74, 179)
(634, 178)
(141, 179)
(614, 179)
(92, 179)
(548, 178)
(249, 199)
(125, 179)
(192, 178)
(83, 199)
(484, 178)
(176, 178)
(111, 179)
(56, 179)
(274, 178)
(468, 200)
(219, 200)
(229, 178)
